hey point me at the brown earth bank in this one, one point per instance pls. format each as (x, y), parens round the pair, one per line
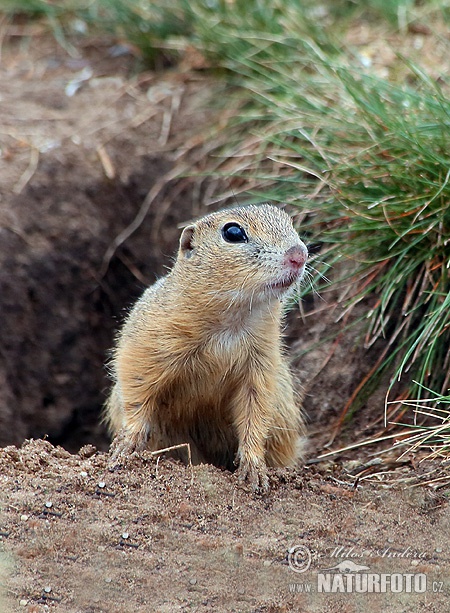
(89, 149)
(75, 172)
(87, 144)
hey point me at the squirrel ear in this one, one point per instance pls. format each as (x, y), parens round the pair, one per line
(186, 241)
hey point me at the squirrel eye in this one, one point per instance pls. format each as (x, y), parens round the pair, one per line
(234, 233)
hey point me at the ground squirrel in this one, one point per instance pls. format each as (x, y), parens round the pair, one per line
(199, 359)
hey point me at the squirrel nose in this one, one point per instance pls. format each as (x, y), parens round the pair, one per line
(296, 257)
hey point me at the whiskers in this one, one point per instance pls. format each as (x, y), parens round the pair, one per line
(311, 278)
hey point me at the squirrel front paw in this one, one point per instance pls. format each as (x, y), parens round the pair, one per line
(253, 472)
(124, 445)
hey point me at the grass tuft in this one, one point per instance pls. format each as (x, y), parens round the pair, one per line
(367, 162)
(433, 437)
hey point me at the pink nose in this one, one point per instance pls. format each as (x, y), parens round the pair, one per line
(296, 257)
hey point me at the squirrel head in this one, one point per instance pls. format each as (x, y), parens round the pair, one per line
(245, 254)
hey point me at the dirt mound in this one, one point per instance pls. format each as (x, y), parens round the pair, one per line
(158, 536)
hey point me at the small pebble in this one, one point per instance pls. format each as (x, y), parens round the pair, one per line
(83, 473)
(23, 517)
(23, 602)
(101, 548)
(438, 550)
(390, 540)
(125, 535)
(49, 505)
(267, 563)
(192, 581)
(101, 484)
(414, 562)
(47, 589)
(108, 580)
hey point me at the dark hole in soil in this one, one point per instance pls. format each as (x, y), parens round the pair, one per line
(58, 315)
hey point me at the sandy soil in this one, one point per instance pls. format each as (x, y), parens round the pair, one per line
(153, 535)
(162, 537)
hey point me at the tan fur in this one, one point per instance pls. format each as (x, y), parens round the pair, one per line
(199, 359)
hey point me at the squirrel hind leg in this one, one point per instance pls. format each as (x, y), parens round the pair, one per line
(113, 413)
(285, 444)
(286, 448)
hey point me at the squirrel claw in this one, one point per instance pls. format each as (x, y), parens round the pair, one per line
(124, 446)
(255, 474)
